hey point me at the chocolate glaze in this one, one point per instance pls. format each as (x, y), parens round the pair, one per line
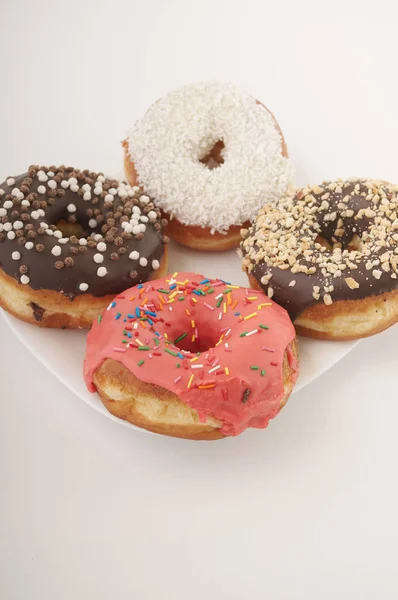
(296, 299)
(39, 264)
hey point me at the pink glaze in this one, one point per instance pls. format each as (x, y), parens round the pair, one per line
(210, 368)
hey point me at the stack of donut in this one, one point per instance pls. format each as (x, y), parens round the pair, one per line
(186, 355)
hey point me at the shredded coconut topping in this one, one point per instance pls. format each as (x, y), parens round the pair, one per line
(168, 143)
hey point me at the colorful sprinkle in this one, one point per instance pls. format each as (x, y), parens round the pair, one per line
(170, 352)
(181, 337)
(246, 395)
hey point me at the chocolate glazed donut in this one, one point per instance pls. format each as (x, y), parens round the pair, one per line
(329, 256)
(70, 240)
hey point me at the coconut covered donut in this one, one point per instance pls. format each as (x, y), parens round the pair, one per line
(192, 357)
(70, 240)
(210, 154)
(329, 255)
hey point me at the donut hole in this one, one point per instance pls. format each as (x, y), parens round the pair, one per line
(355, 243)
(69, 229)
(214, 158)
(203, 341)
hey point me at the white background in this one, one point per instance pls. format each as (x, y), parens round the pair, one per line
(306, 509)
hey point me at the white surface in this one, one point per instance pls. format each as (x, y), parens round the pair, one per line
(62, 352)
(305, 510)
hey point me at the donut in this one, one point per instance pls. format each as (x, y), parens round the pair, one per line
(192, 357)
(328, 254)
(210, 154)
(70, 240)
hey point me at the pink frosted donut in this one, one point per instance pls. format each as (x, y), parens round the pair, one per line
(192, 357)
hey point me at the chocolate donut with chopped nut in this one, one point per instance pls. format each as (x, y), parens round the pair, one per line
(328, 254)
(70, 240)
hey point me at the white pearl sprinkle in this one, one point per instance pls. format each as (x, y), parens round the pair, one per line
(16, 255)
(143, 262)
(92, 223)
(41, 212)
(42, 178)
(15, 192)
(152, 215)
(24, 279)
(64, 184)
(83, 287)
(101, 272)
(98, 258)
(74, 188)
(10, 181)
(136, 229)
(3, 212)
(144, 219)
(112, 191)
(7, 226)
(136, 188)
(98, 237)
(134, 255)
(52, 184)
(11, 235)
(34, 214)
(25, 203)
(44, 225)
(130, 194)
(49, 232)
(40, 172)
(56, 250)
(63, 240)
(137, 210)
(29, 245)
(155, 264)
(122, 193)
(18, 225)
(128, 228)
(142, 227)
(97, 191)
(83, 242)
(108, 198)
(144, 199)
(101, 246)
(101, 178)
(71, 208)
(41, 189)
(50, 173)
(72, 181)
(87, 196)
(57, 233)
(8, 204)
(86, 187)
(2, 192)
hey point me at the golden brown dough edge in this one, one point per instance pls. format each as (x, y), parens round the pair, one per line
(346, 319)
(48, 308)
(156, 409)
